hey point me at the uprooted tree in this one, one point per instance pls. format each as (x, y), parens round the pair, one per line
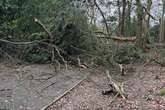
(66, 30)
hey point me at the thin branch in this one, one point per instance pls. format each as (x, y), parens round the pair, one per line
(23, 43)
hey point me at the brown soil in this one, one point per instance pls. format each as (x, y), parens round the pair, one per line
(142, 88)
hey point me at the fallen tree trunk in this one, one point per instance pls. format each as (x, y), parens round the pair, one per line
(117, 39)
(121, 39)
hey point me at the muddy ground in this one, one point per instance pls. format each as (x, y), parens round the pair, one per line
(142, 88)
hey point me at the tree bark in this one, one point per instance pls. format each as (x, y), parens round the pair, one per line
(128, 19)
(129, 10)
(162, 23)
(146, 24)
(124, 3)
(140, 38)
(149, 4)
(119, 15)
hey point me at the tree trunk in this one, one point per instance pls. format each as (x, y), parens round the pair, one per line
(124, 3)
(162, 23)
(119, 15)
(140, 38)
(146, 24)
(129, 2)
(128, 19)
(149, 4)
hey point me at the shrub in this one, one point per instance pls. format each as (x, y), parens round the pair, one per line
(127, 53)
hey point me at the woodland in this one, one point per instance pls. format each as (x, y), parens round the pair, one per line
(111, 36)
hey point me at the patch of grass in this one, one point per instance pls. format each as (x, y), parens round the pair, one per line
(162, 92)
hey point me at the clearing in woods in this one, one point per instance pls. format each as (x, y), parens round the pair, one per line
(36, 86)
(141, 86)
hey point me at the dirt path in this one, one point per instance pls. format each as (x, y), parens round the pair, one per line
(33, 87)
(142, 88)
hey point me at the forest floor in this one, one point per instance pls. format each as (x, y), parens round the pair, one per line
(142, 88)
(32, 87)
(25, 84)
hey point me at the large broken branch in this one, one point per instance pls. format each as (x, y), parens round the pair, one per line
(117, 87)
(51, 45)
(119, 39)
(44, 27)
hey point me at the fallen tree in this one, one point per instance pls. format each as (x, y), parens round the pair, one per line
(116, 39)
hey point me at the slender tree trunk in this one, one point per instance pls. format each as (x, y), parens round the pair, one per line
(146, 24)
(124, 3)
(149, 4)
(139, 12)
(119, 15)
(128, 19)
(162, 23)
(92, 11)
(129, 10)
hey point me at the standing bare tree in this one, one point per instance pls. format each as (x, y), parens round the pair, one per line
(139, 12)
(146, 21)
(149, 5)
(128, 18)
(124, 4)
(119, 15)
(129, 2)
(162, 23)
(91, 11)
